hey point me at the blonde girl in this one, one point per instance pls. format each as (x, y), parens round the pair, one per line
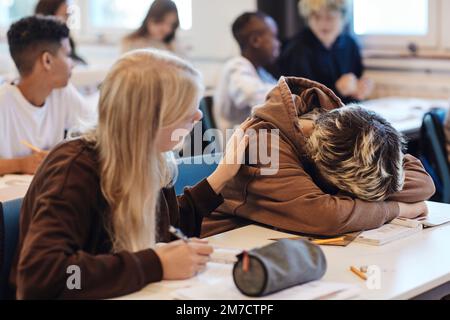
(99, 204)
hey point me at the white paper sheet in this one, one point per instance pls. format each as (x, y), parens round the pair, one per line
(226, 290)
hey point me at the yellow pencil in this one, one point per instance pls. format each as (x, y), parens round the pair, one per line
(29, 145)
(358, 273)
(328, 241)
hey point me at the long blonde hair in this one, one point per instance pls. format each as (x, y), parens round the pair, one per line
(145, 91)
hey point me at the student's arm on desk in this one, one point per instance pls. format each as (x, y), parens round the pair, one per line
(418, 185)
(290, 200)
(26, 165)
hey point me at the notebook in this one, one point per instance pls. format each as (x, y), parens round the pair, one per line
(432, 220)
(387, 234)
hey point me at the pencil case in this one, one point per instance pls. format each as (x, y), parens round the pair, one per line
(279, 266)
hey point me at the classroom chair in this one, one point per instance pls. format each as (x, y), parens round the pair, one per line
(9, 236)
(434, 153)
(193, 170)
(204, 126)
(206, 106)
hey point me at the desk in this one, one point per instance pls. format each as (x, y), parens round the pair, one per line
(405, 114)
(14, 187)
(409, 267)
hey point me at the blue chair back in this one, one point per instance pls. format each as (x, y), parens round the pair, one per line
(434, 133)
(9, 237)
(193, 170)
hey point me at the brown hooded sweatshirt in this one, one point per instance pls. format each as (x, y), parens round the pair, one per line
(292, 199)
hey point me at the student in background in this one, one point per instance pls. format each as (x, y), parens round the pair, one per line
(103, 201)
(60, 9)
(323, 52)
(340, 169)
(244, 83)
(158, 30)
(42, 105)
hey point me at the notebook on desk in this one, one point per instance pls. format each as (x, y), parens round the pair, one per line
(386, 234)
(432, 220)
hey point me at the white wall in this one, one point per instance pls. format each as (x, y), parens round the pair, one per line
(211, 31)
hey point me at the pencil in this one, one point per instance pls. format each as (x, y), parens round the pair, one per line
(358, 273)
(328, 241)
(29, 145)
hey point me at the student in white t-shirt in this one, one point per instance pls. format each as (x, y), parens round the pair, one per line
(244, 81)
(42, 106)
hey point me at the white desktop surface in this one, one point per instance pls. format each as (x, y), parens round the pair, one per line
(409, 267)
(405, 114)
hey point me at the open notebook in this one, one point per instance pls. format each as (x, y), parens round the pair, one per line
(432, 220)
(401, 228)
(386, 234)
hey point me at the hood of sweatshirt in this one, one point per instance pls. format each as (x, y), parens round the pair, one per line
(292, 98)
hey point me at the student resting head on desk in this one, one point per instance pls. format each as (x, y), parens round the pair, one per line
(341, 169)
(41, 105)
(101, 202)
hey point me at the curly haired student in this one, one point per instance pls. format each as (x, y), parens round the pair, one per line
(341, 169)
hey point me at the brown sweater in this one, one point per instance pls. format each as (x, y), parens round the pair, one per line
(63, 222)
(294, 199)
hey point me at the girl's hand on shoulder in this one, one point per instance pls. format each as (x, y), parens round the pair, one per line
(233, 159)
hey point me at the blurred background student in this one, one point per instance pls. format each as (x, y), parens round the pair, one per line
(60, 9)
(244, 81)
(158, 30)
(325, 52)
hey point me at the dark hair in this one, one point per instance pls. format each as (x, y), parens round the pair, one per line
(49, 8)
(239, 27)
(31, 36)
(157, 12)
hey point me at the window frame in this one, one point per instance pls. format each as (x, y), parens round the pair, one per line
(431, 40)
(445, 25)
(88, 33)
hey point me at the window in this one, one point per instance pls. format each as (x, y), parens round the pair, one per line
(12, 10)
(103, 15)
(446, 24)
(396, 22)
(119, 14)
(387, 17)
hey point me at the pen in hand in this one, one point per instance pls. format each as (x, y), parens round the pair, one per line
(178, 234)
